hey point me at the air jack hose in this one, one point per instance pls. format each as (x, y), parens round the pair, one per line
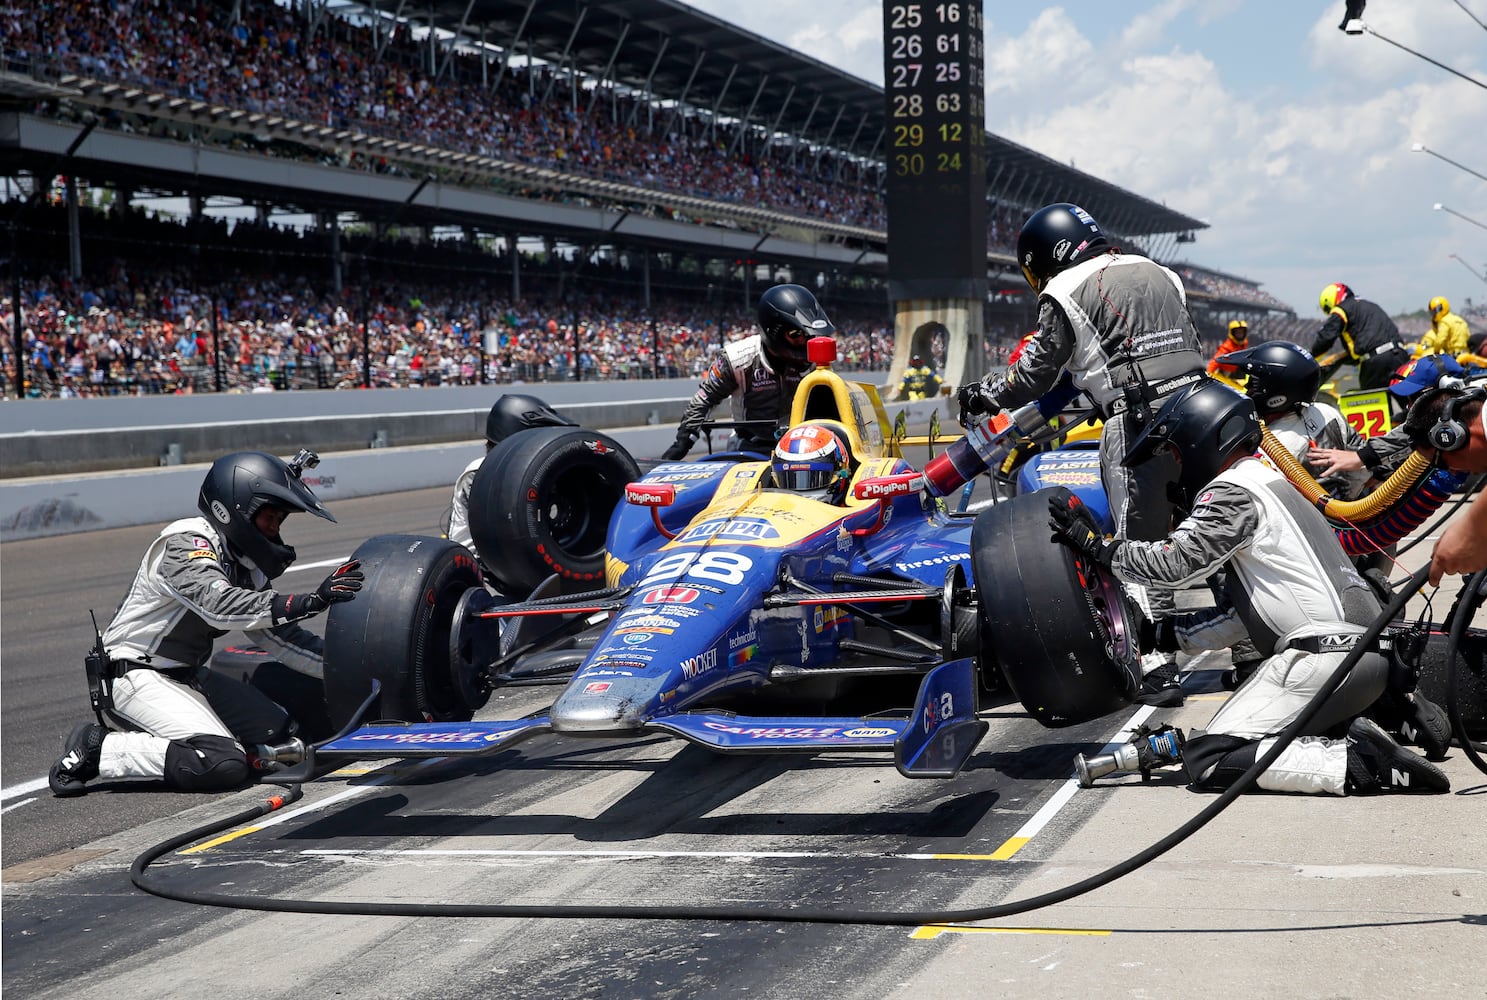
(139, 875)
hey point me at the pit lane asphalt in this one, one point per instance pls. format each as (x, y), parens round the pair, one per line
(1285, 896)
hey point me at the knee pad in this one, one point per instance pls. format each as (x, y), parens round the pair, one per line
(205, 764)
(1215, 761)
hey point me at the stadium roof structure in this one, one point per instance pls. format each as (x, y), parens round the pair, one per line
(679, 53)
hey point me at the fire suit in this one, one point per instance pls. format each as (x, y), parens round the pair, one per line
(459, 508)
(1319, 425)
(175, 718)
(1370, 336)
(1448, 334)
(1114, 320)
(1292, 589)
(760, 391)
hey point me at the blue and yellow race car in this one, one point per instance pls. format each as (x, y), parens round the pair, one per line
(703, 601)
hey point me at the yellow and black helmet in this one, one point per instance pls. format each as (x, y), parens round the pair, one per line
(1439, 306)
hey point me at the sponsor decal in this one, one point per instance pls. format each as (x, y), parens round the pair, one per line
(739, 657)
(638, 618)
(692, 666)
(1084, 217)
(949, 557)
(1079, 249)
(889, 486)
(200, 543)
(870, 734)
(650, 494)
(677, 477)
(671, 595)
(745, 529)
(637, 638)
(426, 739)
(319, 482)
(1055, 477)
(937, 713)
(826, 617)
(598, 447)
(1207, 496)
(774, 732)
(596, 687)
(606, 672)
(201, 554)
(743, 638)
(644, 630)
(1061, 249)
(843, 538)
(220, 512)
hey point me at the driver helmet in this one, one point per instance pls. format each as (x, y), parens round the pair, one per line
(789, 316)
(916, 361)
(237, 487)
(1055, 238)
(1439, 306)
(1204, 426)
(1282, 376)
(1238, 331)
(1334, 295)
(812, 460)
(514, 411)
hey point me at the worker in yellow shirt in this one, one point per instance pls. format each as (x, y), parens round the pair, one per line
(1448, 332)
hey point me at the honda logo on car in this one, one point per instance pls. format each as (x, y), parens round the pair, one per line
(700, 664)
(671, 595)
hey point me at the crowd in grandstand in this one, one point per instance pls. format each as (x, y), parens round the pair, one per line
(267, 61)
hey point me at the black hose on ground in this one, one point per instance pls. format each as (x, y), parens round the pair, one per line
(139, 875)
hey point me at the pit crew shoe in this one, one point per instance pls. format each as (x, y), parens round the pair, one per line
(1147, 749)
(79, 761)
(1426, 725)
(1162, 687)
(1377, 764)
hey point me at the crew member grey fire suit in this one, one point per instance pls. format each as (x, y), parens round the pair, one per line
(189, 590)
(762, 388)
(459, 506)
(1114, 320)
(1292, 589)
(1319, 425)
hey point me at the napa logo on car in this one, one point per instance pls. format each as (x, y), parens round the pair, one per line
(827, 617)
(738, 529)
(693, 666)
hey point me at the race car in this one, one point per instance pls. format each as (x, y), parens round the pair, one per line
(703, 601)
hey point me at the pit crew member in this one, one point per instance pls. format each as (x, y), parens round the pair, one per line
(1290, 587)
(760, 372)
(200, 578)
(1120, 324)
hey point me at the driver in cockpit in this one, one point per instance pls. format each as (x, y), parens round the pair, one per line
(812, 460)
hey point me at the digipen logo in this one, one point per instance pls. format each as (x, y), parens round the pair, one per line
(889, 486)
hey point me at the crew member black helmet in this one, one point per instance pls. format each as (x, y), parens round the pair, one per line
(1204, 425)
(514, 412)
(1282, 376)
(237, 486)
(789, 315)
(1054, 238)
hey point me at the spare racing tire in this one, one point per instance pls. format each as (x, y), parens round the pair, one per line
(397, 631)
(1059, 627)
(541, 504)
(1470, 691)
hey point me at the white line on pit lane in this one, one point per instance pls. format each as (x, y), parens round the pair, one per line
(17, 805)
(24, 788)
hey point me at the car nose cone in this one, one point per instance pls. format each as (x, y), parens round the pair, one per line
(606, 704)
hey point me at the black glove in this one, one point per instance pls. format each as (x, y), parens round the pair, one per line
(342, 585)
(974, 398)
(679, 448)
(1073, 525)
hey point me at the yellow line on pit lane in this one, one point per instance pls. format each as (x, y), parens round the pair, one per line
(931, 931)
(340, 796)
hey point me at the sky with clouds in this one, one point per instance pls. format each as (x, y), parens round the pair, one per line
(1290, 138)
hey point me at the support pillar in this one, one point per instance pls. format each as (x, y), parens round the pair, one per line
(74, 232)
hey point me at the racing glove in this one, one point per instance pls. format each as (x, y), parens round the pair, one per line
(1073, 525)
(680, 447)
(974, 398)
(342, 585)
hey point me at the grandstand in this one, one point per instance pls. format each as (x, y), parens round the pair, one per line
(564, 190)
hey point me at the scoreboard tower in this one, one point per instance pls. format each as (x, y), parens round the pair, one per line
(933, 81)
